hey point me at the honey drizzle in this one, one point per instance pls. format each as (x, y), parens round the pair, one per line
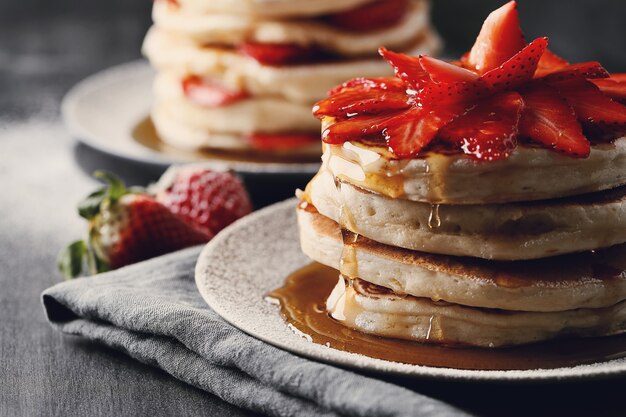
(302, 301)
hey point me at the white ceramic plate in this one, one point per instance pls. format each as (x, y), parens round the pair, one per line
(109, 112)
(254, 256)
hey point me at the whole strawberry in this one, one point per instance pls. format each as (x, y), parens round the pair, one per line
(208, 200)
(125, 226)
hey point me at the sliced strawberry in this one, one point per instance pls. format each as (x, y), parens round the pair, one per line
(582, 70)
(356, 128)
(517, 70)
(499, 39)
(407, 68)
(281, 141)
(381, 83)
(409, 132)
(372, 16)
(549, 62)
(278, 53)
(550, 120)
(591, 105)
(357, 100)
(441, 95)
(205, 91)
(443, 72)
(488, 131)
(614, 87)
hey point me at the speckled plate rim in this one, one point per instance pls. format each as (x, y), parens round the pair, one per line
(102, 111)
(255, 254)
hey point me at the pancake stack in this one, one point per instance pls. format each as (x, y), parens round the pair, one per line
(242, 75)
(510, 233)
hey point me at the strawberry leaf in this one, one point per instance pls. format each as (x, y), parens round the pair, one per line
(90, 206)
(70, 260)
(116, 187)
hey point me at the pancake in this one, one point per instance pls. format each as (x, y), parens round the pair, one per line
(588, 280)
(271, 8)
(253, 114)
(512, 231)
(179, 134)
(528, 174)
(375, 310)
(232, 29)
(298, 83)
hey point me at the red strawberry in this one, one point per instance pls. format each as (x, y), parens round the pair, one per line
(281, 141)
(582, 70)
(441, 95)
(207, 200)
(614, 87)
(590, 105)
(125, 227)
(278, 53)
(443, 72)
(519, 69)
(489, 130)
(407, 68)
(499, 39)
(206, 92)
(408, 133)
(355, 128)
(549, 120)
(549, 62)
(372, 16)
(358, 100)
(382, 83)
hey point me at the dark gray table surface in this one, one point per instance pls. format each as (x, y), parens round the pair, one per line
(45, 47)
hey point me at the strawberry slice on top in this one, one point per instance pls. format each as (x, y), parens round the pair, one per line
(502, 90)
(488, 131)
(499, 39)
(551, 121)
(517, 70)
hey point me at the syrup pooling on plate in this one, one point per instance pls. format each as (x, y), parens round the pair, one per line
(302, 301)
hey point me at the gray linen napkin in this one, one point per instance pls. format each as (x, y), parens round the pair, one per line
(153, 312)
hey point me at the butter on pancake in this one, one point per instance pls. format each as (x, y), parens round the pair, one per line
(513, 231)
(553, 284)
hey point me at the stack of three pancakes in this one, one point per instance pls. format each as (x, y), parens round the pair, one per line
(449, 250)
(242, 75)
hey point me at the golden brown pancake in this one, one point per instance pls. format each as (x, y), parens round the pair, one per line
(512, 231)
(593, 279)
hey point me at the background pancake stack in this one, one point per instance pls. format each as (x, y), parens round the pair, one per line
(449, 250)
(242, 75)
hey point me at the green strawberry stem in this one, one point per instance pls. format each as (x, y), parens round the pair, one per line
(72, 259)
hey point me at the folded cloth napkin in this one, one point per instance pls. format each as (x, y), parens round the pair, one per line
(153, 312)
